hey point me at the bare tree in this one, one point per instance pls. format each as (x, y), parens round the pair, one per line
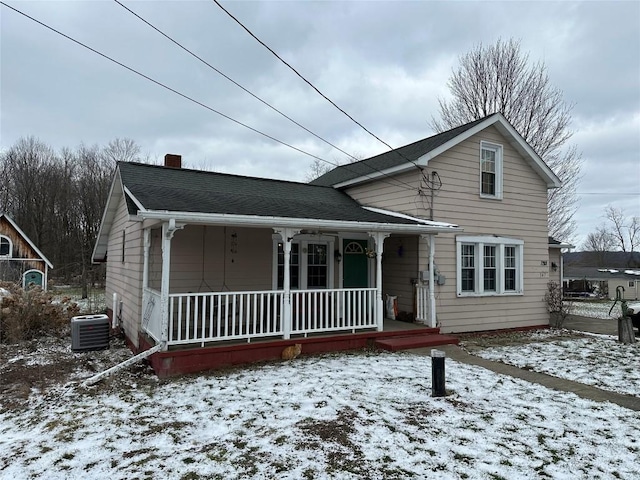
(58, 199)
(317, 168)
(121, 150)
(500, 78)
(600, 240)
(625, 231)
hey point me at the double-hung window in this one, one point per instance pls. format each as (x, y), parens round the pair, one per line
(490, 170)
(489, 265)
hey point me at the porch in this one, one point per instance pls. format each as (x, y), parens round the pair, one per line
(218, 329)
(214, 318)
(396, 335)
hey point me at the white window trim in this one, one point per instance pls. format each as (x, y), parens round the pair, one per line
(497, 148)
(500, 242)
(304, 241)
(10, 254)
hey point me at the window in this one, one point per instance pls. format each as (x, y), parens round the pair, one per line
(490, 170)
(489, 266)
(468, 268)
(5, 246)
(309, 265)
(294, 265)
(316, 265)
(632, 284)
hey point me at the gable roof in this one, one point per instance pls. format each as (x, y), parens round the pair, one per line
(420, 152)
(26, 239)
(188, 195)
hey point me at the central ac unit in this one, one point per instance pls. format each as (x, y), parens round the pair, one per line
(89, 332)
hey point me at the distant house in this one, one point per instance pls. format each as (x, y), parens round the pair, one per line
(20, 259)
(453, 227)
(603, 272)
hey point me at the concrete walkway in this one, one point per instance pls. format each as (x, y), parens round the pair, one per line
(585, 391)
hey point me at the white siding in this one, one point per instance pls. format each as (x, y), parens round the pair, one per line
(521, 214)
(213, 259)
(125, 278)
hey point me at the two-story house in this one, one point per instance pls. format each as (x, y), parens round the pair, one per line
(453, 227)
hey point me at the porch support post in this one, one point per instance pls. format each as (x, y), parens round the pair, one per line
(378, 238)
(168, 230)
(287, 235)
(145, 266)
(432, 281)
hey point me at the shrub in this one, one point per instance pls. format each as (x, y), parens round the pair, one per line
(558, 309)
(26, 314)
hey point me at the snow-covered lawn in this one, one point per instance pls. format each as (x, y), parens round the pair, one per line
(595, 309)
(597, 360)
(364, 415)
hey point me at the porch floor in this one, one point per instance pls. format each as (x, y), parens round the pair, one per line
(195, 358)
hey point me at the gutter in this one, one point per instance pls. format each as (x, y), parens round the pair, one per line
(310, 223)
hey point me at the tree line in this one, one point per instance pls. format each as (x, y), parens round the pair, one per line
(57, 199)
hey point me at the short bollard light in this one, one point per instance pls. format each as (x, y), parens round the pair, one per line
(437, 373)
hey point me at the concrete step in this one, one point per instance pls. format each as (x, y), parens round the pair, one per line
(415, 341)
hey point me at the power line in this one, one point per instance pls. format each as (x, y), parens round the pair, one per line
(160, 84)
(400, 182)
(309, 83)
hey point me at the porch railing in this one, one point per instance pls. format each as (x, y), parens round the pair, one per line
(199, 318)
(152, 313)
(327, 310)
(422, 303)
(210, 317)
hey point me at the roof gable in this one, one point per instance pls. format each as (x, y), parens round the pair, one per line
(24, 236)
(419, 153)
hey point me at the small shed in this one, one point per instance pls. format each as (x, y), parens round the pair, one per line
(21, 261)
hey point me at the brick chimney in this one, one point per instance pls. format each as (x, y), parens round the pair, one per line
(173, 161)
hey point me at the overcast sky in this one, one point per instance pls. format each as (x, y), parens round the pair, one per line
(385, 63)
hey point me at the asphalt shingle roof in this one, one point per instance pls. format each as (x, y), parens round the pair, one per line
(183, 190)
(393, 158)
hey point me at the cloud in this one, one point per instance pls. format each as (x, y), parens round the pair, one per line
(385, 63)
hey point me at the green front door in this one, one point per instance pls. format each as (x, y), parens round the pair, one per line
(32, 278)
(355, 264)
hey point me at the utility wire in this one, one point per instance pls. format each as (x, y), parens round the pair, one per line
(163, 85)
(231, 79)
(160, 84)
(400, 182)
(309, 83)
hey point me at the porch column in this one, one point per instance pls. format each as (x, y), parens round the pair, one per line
(287, 235)
(432, 281)
(168, 230)
(378, 238)
(145, 260)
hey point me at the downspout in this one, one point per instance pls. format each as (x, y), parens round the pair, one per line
(135, 359)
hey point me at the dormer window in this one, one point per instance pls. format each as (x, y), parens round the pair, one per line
(5, 246)
(490, 170)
